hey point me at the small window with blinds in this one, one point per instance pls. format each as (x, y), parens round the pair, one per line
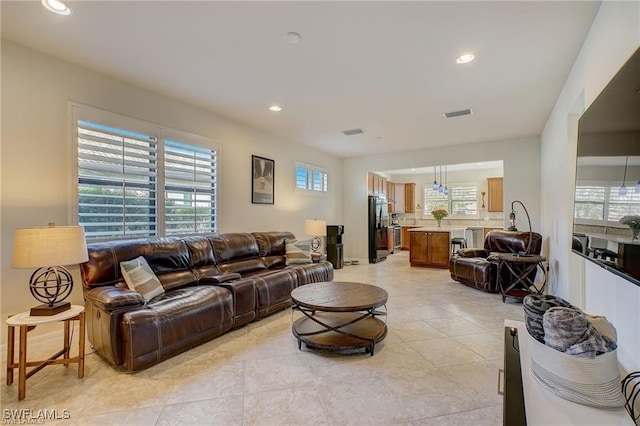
(311, 179)
(133, 183)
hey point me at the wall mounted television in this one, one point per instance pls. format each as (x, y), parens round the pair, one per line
(608, 175)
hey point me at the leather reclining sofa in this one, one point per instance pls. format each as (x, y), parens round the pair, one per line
(212, 284)
(476, 268)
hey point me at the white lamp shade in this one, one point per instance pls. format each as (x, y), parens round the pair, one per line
(49, 246)
(315, 227)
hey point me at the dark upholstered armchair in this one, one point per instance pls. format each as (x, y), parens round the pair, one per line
(474, 267)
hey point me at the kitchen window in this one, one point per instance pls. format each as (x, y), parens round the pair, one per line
(600, 203)
(461, 202)
(135, 179)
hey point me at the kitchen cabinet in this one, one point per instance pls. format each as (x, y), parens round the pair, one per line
(409, 197)
(376, 185)
(398, 206)
(391, 192)
(495, 201)
(404, 238)
(429, 248)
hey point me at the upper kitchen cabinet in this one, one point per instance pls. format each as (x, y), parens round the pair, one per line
(398, 190)
(409, 197)
(391, 192)
(377, 185)
(495, 194)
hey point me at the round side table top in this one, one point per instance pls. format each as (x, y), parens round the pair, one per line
(23, 318)
(339, 296)
(517, 258)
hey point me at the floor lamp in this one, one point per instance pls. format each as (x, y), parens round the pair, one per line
(512, 225)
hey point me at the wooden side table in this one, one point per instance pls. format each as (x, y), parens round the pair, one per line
(520, 268)
(27, 323)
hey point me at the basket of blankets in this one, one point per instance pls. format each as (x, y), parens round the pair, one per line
(573, 354)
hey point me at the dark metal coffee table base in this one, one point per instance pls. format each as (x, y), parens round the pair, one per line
(340, 330)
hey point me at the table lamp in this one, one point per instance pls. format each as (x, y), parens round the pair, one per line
(512, 225)
(316, 228)
(46, 248)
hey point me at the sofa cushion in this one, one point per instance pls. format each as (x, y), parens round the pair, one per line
(140, 278)
(298, 251)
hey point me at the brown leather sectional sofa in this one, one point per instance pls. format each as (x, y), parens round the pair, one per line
(475, 268)
(212, 283)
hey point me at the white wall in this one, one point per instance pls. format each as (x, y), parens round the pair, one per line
(36, 159)
(521, 165)
(613, 37)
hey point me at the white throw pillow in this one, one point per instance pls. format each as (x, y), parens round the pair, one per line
(298, 251)
(140, 278)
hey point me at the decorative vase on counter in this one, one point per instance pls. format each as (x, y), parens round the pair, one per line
(440, 223)
(636, 233)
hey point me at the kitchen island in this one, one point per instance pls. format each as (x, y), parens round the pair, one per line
(430, 246)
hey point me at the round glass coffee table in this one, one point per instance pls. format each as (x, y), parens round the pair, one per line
(340, 315)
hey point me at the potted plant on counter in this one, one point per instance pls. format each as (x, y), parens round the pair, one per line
(439, 214)
(633, 222)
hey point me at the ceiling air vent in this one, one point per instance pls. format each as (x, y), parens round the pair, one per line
(352, 132)
(458, 113)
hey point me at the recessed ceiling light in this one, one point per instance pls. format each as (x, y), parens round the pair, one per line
(56, 6)
(465, 59)
(292, 37)
(275, 108)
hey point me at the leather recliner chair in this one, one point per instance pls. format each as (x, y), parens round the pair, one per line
(475, 268)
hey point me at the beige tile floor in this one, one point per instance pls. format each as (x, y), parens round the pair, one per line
(437, 366)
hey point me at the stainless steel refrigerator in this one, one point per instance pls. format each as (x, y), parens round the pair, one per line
(378, 223)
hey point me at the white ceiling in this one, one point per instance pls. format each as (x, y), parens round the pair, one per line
(386, 67)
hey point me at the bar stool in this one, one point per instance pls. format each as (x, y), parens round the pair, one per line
(458, 241)
(605, 254)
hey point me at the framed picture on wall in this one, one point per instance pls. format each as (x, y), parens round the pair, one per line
(262, 182)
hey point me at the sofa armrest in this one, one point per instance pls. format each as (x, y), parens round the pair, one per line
(472, 252)
(110, 298)
(220, 278)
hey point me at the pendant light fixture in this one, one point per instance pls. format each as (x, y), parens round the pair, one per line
(446, 180)
(435, 183)
(623, 189)
(637, 187)
(440, 187)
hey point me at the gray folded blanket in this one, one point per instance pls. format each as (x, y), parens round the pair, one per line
(535, 305)
(568, 330)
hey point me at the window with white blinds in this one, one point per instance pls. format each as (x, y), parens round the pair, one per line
(461, 202)
(133, 183)
(311, 178)
(590, 202)
(598, 203)
(189, 188)
(464, 201)
(433, 200)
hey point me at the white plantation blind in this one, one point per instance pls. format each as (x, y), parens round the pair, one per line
(434, 200)
(116, 181)
(135, 179)
(461, 202)
(464, 200)
(189, 188)
(589, 202)
(311, 178)
(623, 205)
